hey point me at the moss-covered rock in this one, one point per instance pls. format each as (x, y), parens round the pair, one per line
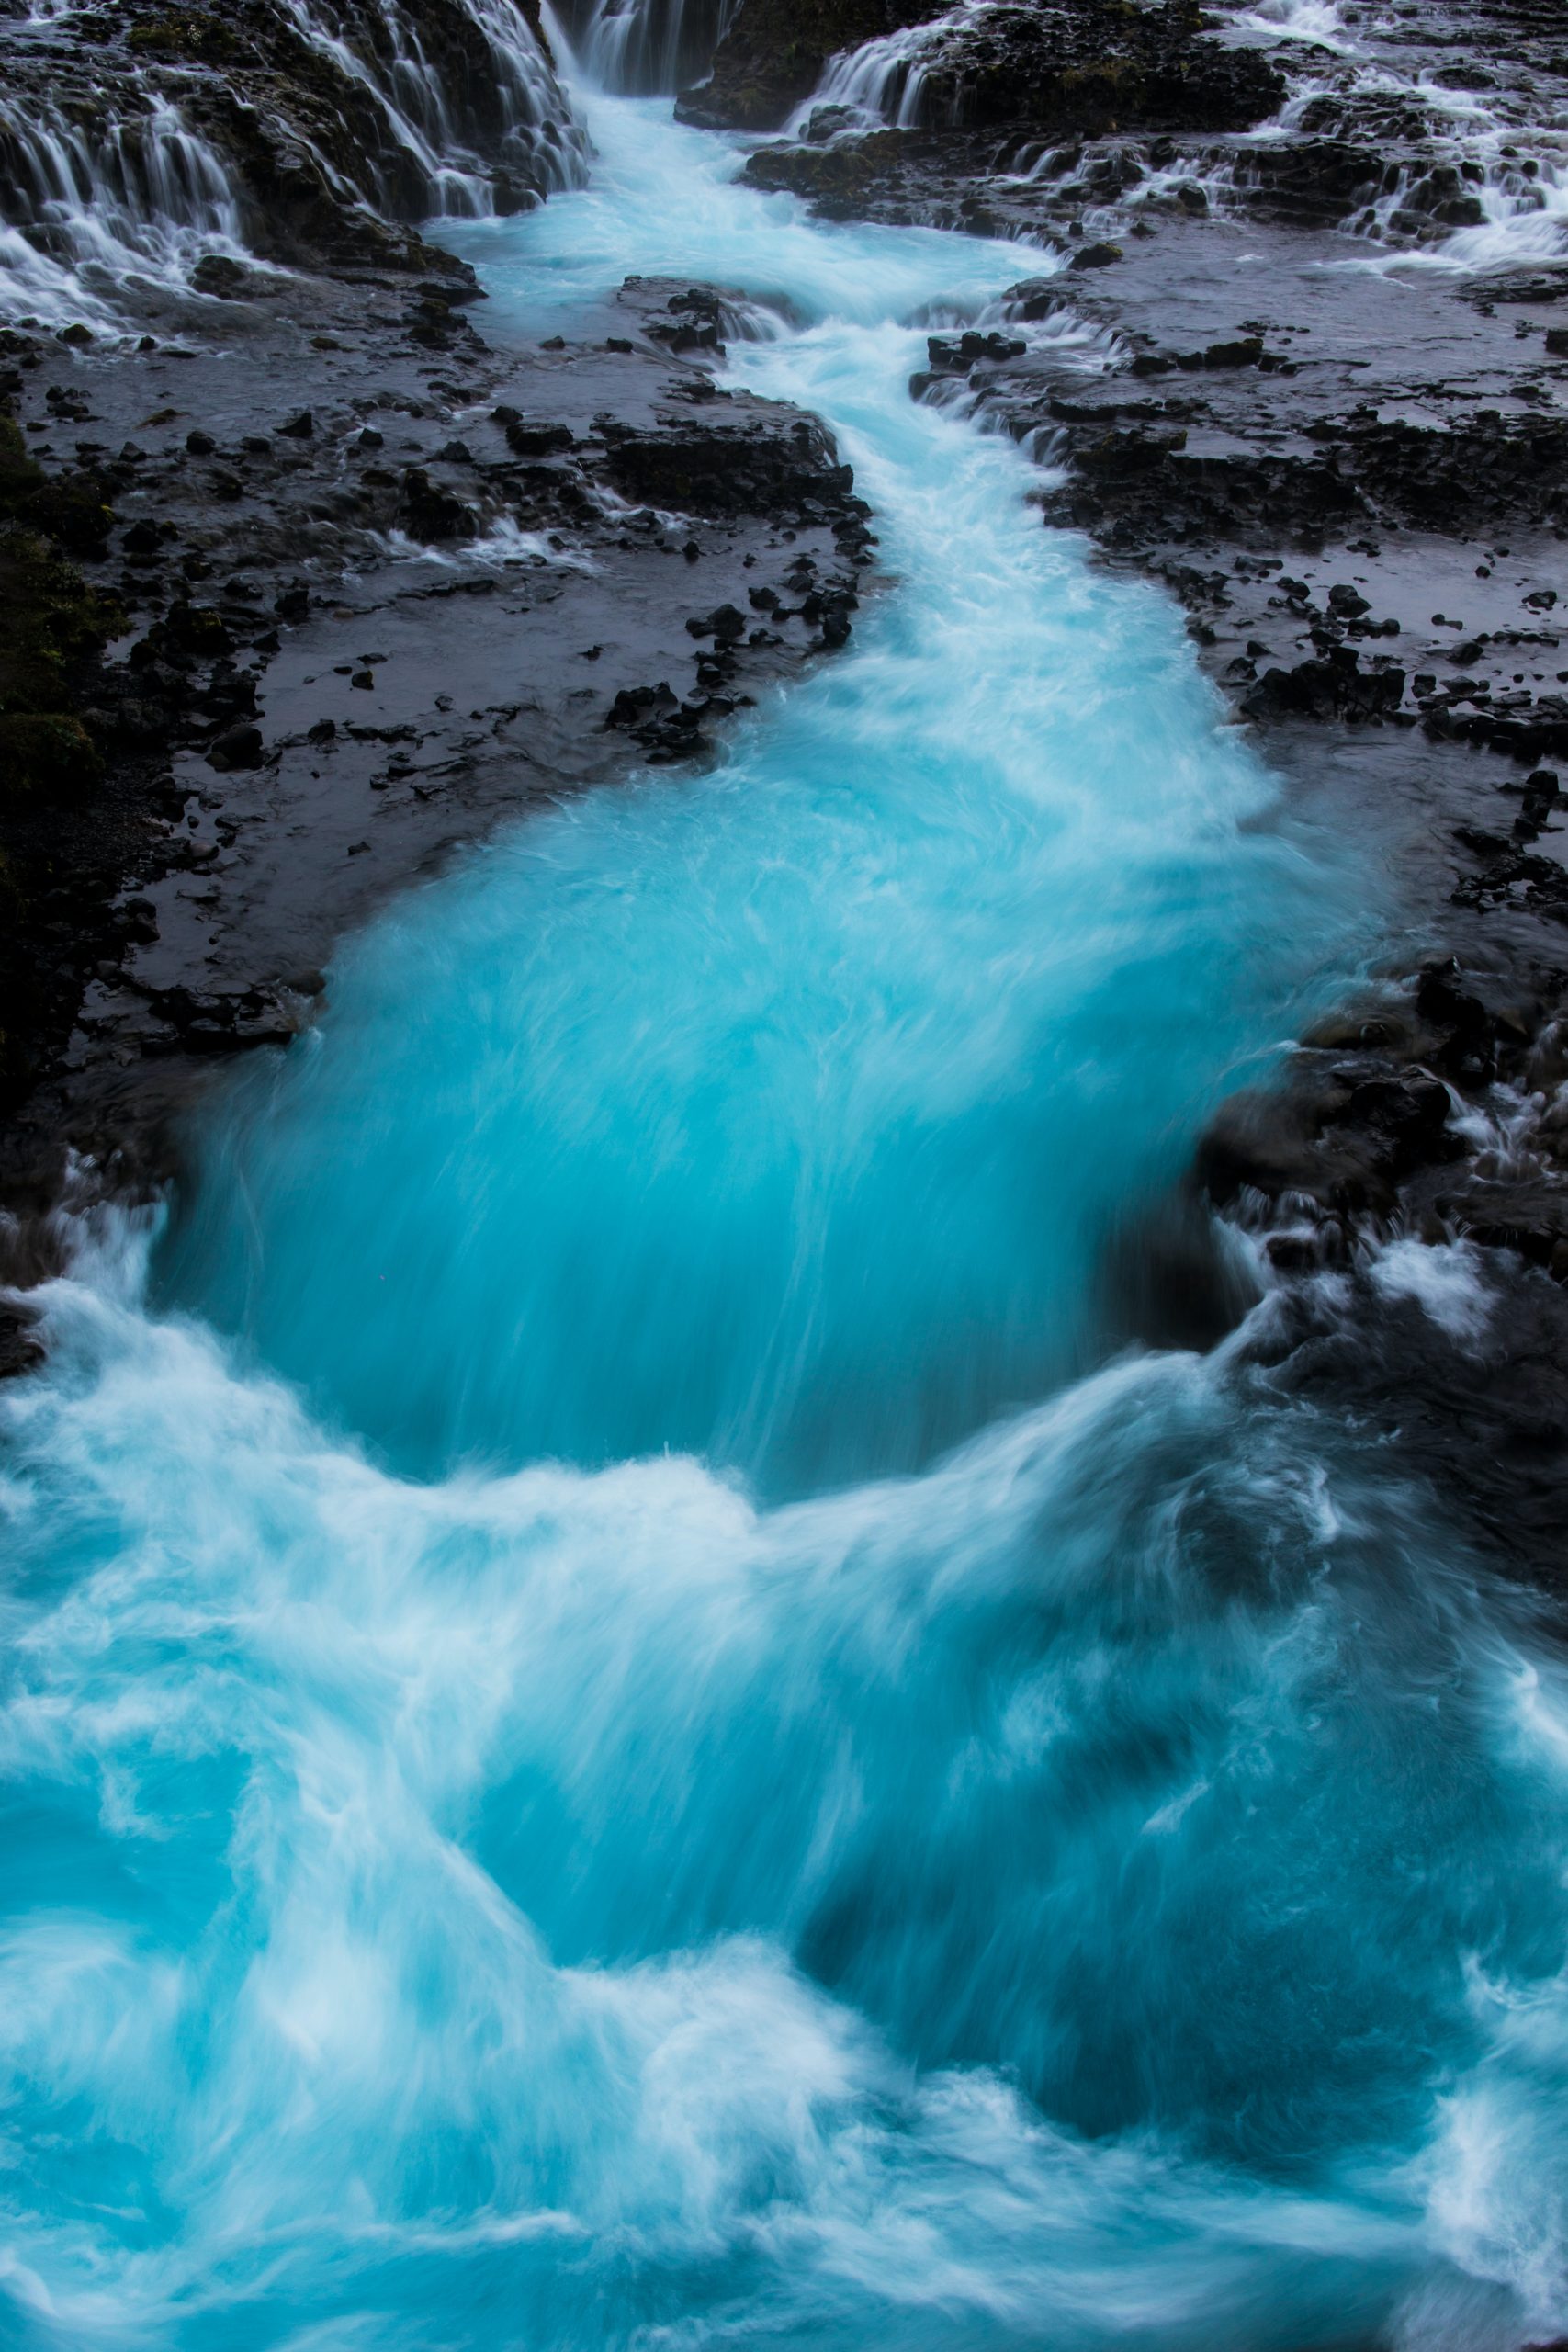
(193, 33)
(51, 622)
(46, 751)
(830, 175)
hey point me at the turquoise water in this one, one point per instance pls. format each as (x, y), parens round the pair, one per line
(617, 1730)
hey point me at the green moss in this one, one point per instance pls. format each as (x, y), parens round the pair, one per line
(68, 508)
(49, 621)
(47, 752)
(852, 170)
(19, 478)
(184, 33)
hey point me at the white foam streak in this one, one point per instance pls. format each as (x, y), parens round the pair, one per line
(1445, 1281)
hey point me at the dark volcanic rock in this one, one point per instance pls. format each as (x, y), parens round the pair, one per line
(724, 468)
(1093, 66)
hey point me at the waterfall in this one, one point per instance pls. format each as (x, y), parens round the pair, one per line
(649, 45)
(88, 204)
(879, 83)
(517, 109)
(884, 80)
(104, 180)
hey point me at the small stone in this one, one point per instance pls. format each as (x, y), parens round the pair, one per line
(238, 747)
(217, 276)
(538, 440)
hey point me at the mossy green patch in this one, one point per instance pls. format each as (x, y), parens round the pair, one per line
(49, 621)
(185, 33)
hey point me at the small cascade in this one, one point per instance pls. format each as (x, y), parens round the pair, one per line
(1491, 205)
(885, 80)
(1460, 176)
(643, 46)
(880, 82)
(92, 202)
(1317, 21)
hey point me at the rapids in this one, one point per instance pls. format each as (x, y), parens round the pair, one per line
(627, 1721)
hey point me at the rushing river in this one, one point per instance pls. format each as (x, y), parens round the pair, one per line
(622, 1726)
